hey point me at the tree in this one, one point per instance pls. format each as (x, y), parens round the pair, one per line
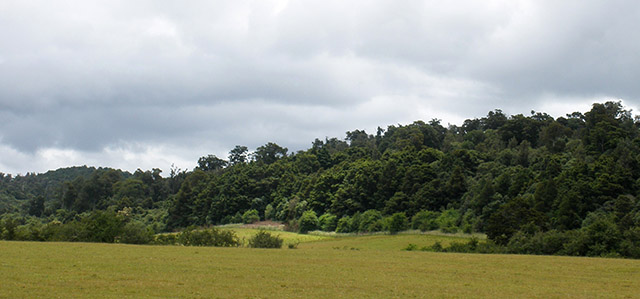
(398, 223)
(250, 216)
(270, 153)
(36, 206)
(211, 163)
(308, 221)
(328, 222)
(238, 155)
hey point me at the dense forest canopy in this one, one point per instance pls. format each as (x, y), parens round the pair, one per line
(533, 184)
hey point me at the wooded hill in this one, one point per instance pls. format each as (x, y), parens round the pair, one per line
(533, 184)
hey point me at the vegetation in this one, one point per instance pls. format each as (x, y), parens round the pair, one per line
(34, 270)
(264, 239)
(533, 184)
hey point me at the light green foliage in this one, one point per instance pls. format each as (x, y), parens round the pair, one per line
(250, 216)
(328, 222)
(447, 221)
(269, 212)
(308, 221)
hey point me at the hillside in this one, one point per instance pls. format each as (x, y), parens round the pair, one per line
(533, 184)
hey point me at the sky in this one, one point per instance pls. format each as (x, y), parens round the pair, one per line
(151, 84)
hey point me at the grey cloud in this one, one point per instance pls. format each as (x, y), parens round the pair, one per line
(207, 75)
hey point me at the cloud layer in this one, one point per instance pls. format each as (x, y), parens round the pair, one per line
(150, 83)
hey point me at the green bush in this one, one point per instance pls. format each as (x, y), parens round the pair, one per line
(308, 221)
(165, 239)
(250, 216)
(398, 223)
(269, 212)
(344, 225)
(237, 218)
(136, 232)
(447, 221)
(208, 237)
(425, 220)
(370, 221)
(328, 222)
(264, 239)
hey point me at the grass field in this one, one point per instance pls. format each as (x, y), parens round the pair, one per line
(287, 237)
(316, 269)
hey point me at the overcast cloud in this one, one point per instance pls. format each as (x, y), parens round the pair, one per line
(147, 84)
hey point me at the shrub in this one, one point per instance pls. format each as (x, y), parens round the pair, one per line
(269, 212)
(354, 222)
(237, 218)
(264, 239)
(250, 216)
(369, 221)
(398, 223)
(308, 221)
(328, 222)
(447, 221)
(425, 220)
(411, 247)
(136, 233)
(208, 237)
(165, 239)
(343, 225)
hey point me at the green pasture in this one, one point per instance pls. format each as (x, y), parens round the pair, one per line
(287, 237)
(68, 270)
(382, 242)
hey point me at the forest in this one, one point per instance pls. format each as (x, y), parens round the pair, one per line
(533, 184)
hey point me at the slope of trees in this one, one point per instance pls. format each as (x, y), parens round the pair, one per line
(533, 184)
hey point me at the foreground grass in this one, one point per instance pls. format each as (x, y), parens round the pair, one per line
(30, 269)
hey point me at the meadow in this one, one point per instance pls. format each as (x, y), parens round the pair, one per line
(346, 267)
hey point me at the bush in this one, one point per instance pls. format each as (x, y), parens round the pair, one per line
(237, 218)
(398, 223)
(447, 221)
(308, 222)
(136, 233)
(264, 239)
(208, 237)
(354, 222)
(269, 212)
(250, 216)
(165, 239)
(425, 220)
(343, 225)
(370, 221)
(328, 222)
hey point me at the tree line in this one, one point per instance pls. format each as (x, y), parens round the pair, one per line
(534, 184)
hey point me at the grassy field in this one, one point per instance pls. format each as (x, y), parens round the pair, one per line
(30, 269)
(287, 237)
(382, 242)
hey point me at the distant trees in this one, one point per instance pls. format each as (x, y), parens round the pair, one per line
(238, 155)
(211, 163)
(269, 153)
(532, 183)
